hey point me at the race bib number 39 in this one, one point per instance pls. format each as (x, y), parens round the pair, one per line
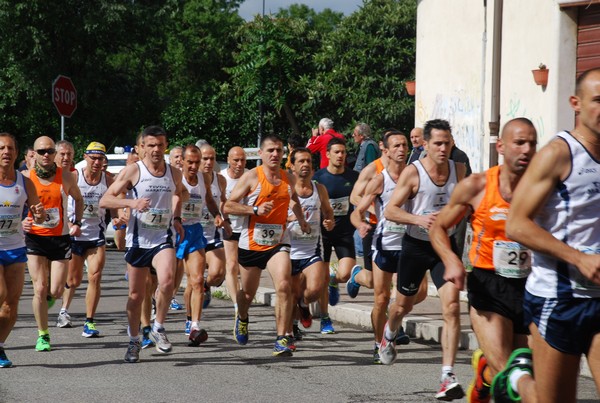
(156, 219)
(267, 234)
(52, 218)
(511, 259)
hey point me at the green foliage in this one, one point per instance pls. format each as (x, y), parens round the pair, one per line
(362, 66)
(198, 69)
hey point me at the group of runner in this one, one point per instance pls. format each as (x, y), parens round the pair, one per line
(535, 281)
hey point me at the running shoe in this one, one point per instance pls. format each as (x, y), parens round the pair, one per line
(376, 358)
(63, 320)
(4, 361)
(450, 389)
(478, 391)
(502, 390)
(291, 343)
(305, 316)
(352, 287)
(326, 325)
(146, 340)
(89, 330)
(43, 343)
(282, 348)
(197, 336)
(188, 327)
(207, 297)
(298, 334)
(387, 349)
(175, 305)
(334, 291)
(133, 352)
(240, 331)
(402, 338)
(162, 342)
(51, 300)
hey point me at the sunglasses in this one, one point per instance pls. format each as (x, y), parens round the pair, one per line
(96, 158)
(45, 151)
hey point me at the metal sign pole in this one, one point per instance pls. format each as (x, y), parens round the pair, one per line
(62, 127)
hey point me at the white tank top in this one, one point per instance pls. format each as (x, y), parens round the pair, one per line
(236, 220)
(211, 232)
(570, 214)
(304, 246)
(11, 212)
(388, 234)
(191, 211)
(429, 198)
(153, 227)
(93, 226)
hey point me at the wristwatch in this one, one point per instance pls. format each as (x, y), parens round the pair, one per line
(255, 209)
(75, 222)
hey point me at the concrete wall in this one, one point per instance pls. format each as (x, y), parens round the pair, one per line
(454, 66)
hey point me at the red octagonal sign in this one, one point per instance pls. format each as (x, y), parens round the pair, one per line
(64, 96)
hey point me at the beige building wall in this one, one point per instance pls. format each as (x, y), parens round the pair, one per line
(455, 60)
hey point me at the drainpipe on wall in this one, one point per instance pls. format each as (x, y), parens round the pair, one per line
(494, 124)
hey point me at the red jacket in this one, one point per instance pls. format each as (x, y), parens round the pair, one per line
(318, 144)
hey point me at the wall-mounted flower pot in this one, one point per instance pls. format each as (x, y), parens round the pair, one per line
(540, 76)
(410, 87)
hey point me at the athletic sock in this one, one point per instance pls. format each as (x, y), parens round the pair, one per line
(388, 334)
(89, 320)
(63, 311)
(43, 332)
(514, 377)
(157, 326)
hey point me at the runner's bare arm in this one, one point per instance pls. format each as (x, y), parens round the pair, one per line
(463, 198)
(549, 166)
(326, 210)
(246, 183)
(407, 186)
(374, 187)
(33, 201)
(124, 181)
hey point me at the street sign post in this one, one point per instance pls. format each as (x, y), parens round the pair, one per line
(64, 98)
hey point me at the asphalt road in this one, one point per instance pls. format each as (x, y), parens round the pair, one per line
(332, 368)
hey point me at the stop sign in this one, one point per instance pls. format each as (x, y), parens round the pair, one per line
(64, 96)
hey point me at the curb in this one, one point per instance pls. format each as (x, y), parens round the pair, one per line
(415, 326)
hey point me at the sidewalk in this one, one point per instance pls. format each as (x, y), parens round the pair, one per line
(424, 322)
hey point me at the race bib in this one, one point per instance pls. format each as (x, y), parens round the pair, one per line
(422, 230)
(511, 259)
(9, 225)
(90, 208)
(297, 234)
(52, 218)
(207, 221)
(192, 209)
(156, 219)
(340, 206)
(391, 227)
(267, 234)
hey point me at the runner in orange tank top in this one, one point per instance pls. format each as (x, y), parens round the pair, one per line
(497, 283)
(49, 244)
(262, 196)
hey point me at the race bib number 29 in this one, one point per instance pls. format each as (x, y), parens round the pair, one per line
(511, 259)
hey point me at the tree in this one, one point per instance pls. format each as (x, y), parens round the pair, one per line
(362, 66)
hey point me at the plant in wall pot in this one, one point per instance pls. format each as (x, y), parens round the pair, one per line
(540, 75)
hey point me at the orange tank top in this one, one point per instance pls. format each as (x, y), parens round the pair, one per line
(378, 169)
(54, 199)
(265, 232)
(488, 222)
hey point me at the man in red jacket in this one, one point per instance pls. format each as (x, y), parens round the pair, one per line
(320, 138)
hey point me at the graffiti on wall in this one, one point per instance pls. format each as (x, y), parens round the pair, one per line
(463, 111)
(517, 109)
